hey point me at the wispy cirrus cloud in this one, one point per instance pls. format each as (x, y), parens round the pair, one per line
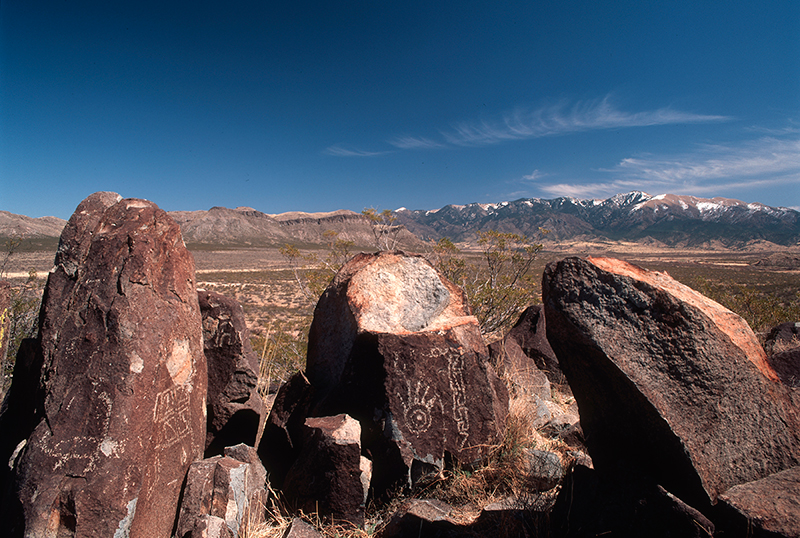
(415, 142)
(525, 123)
(338, 150)
(710, 170)
(562, 119)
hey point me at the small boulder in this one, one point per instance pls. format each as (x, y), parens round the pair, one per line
(393, 345)
(766, 507)
(301, 529)
(669, 383)
(543, 470)
(330, 477)
(225, 488)
(234, 405)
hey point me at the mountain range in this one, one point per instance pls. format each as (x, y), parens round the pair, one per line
(667, 219)
(670, 219)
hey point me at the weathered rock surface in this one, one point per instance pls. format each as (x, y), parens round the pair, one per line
(767, 507)
(530, 335)
(234, 405)
(282, 438)
(210, 527)
(330, 476)
(543, 470)
(228, 488)
(393, 346)
(669, 383)
(121, 375)
(300, 529)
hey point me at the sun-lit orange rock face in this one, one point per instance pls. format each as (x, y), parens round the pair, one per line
(669, 384)
(728, 322)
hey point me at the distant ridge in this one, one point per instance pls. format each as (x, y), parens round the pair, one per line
(668, 219)
(663, 220)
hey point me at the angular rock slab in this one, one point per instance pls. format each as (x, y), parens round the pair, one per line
(226, 488)
(330, 476)
(393, 345)
(123, 377)
(234, 406)
(281, 441)
(667, 381)
(766, 507)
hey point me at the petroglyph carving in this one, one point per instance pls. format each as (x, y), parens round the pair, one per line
(455, 371)
(171, 415)
(418, 407)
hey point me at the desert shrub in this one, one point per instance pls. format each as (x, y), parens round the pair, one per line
(22, 316)
(501, 284)
(384, 229)
(762, 310)
(313, 273)
(282, 351)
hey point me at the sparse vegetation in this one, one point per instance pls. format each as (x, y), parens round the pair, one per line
(384, 228)
(20, 319)
(761, 309)
(501, 284)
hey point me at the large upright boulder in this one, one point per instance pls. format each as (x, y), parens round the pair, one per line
(393, 345)
(235, 408)
(670, 384)
(121, 379)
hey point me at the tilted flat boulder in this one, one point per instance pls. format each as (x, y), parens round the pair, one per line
(766, 507)
(668, 382)
(393, 345)
(122, 376)
(234, 405)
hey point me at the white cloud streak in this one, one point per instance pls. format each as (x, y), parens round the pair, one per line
(561, 119)
(415, 142)
(711, 170)
(521, 124)
(340, 151)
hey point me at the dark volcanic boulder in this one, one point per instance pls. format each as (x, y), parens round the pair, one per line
(234, 405)
(393, 346)
(766, 507)
(283, 432)
(330, 477)
(122, 378)
(669, 383)
(530, 334)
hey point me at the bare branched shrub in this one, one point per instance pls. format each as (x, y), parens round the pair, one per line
(384, 228)
(501, 285)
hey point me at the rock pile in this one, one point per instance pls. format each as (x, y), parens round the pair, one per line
(393, 345)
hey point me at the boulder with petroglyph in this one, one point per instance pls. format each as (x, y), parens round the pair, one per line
(235, 408)
(118, 378)
(393, 345)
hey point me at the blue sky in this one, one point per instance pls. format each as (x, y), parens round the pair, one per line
(317, 106)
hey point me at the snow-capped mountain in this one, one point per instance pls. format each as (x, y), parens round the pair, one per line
(669, 218)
